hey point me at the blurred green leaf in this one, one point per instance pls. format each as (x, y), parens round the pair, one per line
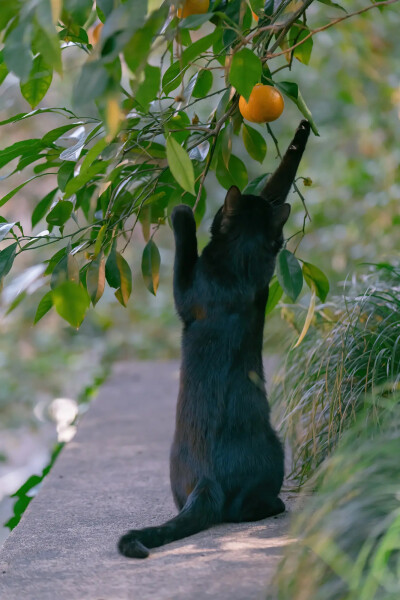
(71, 301)
(66, 269)
(149, 88)
(138, 48)
(151, 266)
(44, 306)
(17, 50)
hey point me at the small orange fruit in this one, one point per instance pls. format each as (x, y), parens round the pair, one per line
(94, 34)
(193, 7)
(255, 17)
(265, 104)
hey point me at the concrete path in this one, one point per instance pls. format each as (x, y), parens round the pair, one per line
(114, 476)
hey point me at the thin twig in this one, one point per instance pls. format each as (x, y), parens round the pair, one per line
(215, 133)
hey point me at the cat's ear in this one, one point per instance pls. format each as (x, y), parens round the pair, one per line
(232, 200)
(280, 215)
(280, 182)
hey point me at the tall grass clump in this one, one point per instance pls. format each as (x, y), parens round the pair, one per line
(353, 349)
(347, 538)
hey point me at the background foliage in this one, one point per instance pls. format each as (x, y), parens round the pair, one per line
(161, 94)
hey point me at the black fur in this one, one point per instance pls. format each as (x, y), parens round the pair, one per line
(226, 460)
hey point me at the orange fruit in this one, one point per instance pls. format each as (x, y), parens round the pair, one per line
(193, 7)
(255, 17)
(94, 34)
(265, 104)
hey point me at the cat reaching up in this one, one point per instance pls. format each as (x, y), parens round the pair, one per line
(226, 462)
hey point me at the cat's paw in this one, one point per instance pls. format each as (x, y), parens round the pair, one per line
(182, 219)
(130, 545)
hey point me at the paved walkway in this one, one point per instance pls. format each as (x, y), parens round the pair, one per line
(114, 476)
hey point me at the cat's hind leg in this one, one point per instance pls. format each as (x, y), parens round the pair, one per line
(253, 504)
(203, 509)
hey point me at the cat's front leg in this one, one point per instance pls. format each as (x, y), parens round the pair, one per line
(184, 227)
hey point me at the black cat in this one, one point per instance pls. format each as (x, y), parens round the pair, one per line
(226, 460)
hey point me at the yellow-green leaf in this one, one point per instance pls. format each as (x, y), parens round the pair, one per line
(151, 266)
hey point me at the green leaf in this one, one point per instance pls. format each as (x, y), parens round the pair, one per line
(333, 4)
(151, 266)
(203, 84)
(47, 43)
(314, 275)
(199, 47)
(112, 272)
(3, 68)
(124, 291)
(6, 259)
(65, 173)
(274, 295)
(60, 214)
(245, 71)
(8, 196)
(35, 88)
(42, 207)
(80, 180)
(138, 48)
(291, 90)
(148, 90)
(302, 52)
(172, 78)
(4, 229)
(76, 12)
(96, 278)
(66, 269)
(92, 154)
(195, 21)
(17, 50)
(288, 272)
(179, 121)
(44, 306)
(236, 174)
(256, 185)
(71, 301)
(254, 143)
(180, 165)
(226, 143)
(91, 84)
(119, 275)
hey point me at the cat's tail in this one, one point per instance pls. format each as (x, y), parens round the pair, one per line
(202, 510)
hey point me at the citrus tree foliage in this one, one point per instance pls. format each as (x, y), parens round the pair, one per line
(143, 149)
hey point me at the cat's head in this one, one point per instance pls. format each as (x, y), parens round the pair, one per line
(262, 217)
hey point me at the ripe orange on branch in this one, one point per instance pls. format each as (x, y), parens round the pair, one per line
(193, 7)
(265, 104)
